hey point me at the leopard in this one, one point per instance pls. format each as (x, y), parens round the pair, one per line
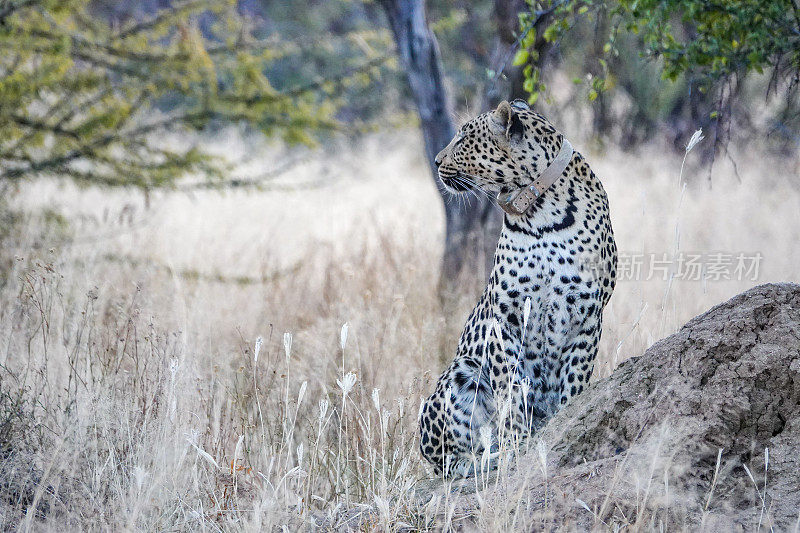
(529, 345)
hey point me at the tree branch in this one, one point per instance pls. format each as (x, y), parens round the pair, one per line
(44, 127)
(162, 17)
(88, 149)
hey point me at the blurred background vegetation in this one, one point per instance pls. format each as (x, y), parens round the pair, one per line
(88, 88)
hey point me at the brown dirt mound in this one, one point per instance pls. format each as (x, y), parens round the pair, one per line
(641, 447)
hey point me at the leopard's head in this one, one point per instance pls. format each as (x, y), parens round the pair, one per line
(499, 151)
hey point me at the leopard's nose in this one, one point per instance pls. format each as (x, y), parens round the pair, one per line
(439, 159)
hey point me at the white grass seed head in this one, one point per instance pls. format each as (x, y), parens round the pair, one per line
(343, 336)
(376, 399)
(287, 344)
(323, 407)
(695, 138)
(347, 382)
(259, 342)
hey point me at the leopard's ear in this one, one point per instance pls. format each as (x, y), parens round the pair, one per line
(502, 115)
(506, 122)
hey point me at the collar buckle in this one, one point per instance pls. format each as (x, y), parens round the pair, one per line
(517, 202)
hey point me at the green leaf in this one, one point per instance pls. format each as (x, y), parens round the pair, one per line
(528, 85)
(521, 57)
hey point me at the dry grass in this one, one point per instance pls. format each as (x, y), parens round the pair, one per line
(135, 392)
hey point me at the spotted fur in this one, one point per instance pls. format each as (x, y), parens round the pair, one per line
(510, 373)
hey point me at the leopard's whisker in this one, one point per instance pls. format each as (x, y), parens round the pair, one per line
(460, 198)
(450, 196)
(471, 187)
(473, 181)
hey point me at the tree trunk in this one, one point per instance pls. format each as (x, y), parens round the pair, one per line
(469, 237)
(509, 79)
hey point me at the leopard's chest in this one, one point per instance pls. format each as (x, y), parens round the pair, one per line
(549, 275)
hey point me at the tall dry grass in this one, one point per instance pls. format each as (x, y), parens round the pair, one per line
(255, 360)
